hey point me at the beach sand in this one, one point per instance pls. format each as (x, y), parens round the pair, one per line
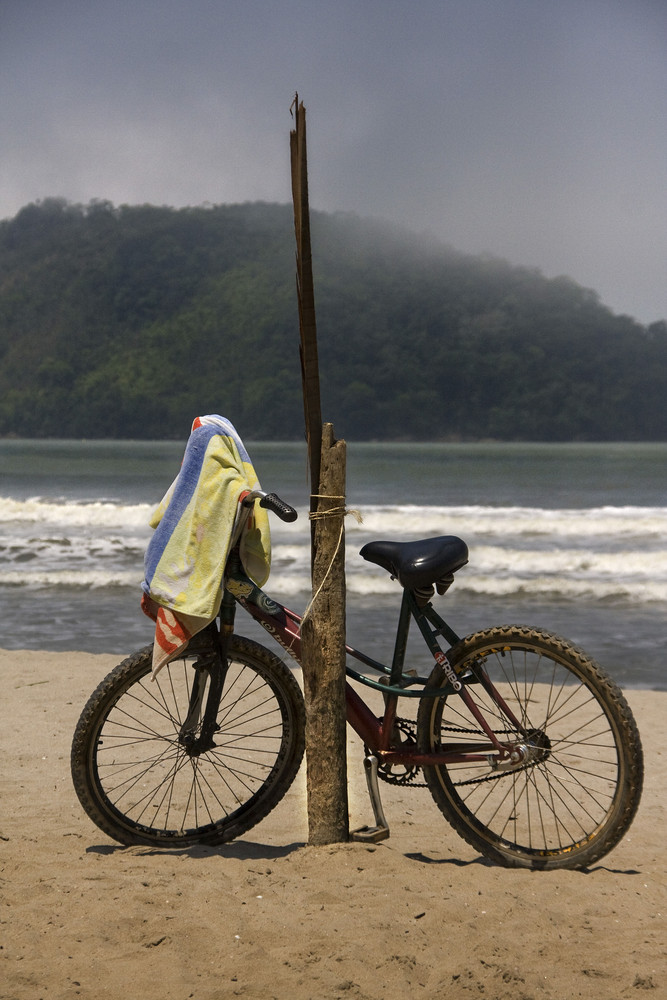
(419, 915)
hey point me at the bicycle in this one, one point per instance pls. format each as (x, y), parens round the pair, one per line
(528, 749)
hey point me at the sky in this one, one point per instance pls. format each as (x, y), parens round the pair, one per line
(533, 130)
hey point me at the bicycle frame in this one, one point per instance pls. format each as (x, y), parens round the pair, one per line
(377, 733)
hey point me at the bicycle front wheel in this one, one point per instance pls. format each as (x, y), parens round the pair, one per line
(131, 767)
(573, 788)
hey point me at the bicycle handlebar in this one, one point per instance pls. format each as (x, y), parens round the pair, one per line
(272, 502)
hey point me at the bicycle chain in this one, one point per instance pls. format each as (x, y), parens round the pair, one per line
(409, 776)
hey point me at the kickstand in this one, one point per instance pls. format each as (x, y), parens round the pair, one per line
(380, 831)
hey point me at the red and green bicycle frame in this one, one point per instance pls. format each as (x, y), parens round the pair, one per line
(394, 683)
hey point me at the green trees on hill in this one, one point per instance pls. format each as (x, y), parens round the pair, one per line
(127, 322)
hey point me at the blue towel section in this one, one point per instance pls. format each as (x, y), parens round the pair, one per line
(185, 558)
(182, 490)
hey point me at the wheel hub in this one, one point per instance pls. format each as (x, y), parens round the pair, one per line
(535, 748)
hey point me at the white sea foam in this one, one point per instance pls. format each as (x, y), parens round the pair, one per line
(628, 563)
(413, 521)
(467, 582)
(74, 514)
(597, 553)
(89, 579)
(400, 521)
(567, 588)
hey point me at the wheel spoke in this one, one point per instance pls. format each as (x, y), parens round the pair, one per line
(143, 783)
(563, 793)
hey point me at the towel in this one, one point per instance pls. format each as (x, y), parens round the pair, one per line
(185, 558)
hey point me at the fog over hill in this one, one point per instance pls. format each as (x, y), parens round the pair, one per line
(128, 321)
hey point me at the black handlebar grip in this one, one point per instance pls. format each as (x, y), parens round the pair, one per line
(279, 507)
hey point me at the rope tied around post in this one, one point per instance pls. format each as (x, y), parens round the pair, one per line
(318, 515)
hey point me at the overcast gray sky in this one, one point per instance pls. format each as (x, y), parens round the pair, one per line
(535, 130)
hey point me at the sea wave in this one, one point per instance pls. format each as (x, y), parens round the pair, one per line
(399, 521)
(74, 513)
(595, 553)
(593, 522)
(75, 553)
(634, 589)
(594, 589)
(70, 578)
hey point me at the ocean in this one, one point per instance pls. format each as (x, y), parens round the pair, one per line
(567, 537)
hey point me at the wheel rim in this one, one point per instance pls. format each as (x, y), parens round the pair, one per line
(559, 800)
(148, 781)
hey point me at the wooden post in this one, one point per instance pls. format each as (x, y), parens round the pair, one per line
(323, 628)
(323, 648)
(310, 372)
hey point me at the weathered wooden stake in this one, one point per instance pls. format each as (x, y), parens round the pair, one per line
(323, 647)
(310, 371)
(323, 629)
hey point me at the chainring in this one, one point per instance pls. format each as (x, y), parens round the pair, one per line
(405, 731)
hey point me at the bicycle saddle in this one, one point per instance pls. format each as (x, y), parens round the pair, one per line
(418, 564)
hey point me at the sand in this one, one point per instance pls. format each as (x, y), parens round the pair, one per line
(420, 915)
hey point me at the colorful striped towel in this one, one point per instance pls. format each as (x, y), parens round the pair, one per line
(186, 556)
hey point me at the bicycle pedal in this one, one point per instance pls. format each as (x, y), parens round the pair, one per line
(370, 834)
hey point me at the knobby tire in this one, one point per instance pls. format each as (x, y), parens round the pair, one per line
(136, 780)
(574, 797)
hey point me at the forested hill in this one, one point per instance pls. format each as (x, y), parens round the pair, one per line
(127, 322)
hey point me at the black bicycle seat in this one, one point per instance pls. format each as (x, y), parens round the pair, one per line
(418, 564)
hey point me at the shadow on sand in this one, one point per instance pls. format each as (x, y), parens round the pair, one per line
(243, 850)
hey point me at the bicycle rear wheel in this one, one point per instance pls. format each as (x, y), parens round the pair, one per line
(575, 786)
(136, 779)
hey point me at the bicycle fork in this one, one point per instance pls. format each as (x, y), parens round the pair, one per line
(210, 670)
(193, 737)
